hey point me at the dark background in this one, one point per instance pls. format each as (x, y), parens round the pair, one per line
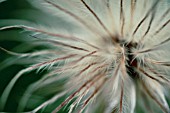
(19, 12)
(13, 12)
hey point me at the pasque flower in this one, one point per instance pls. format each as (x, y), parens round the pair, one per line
(109, 54)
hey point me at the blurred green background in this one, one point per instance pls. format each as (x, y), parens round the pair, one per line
(17, 12)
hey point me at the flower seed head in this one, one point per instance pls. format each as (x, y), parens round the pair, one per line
(108, 54)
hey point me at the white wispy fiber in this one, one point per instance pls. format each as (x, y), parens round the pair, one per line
(112, 55)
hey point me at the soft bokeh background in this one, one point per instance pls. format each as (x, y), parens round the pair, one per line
(19, 12)
(12, 12)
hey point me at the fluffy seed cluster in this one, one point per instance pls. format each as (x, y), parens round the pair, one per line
(109, 55)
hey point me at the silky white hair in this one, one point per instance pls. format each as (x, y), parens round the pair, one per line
(109, 54)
